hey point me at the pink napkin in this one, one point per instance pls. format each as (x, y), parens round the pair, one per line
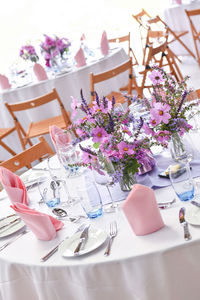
(62, 137)
(82, 37)
(14, 186)
(141, 210)
(104, 44)
(43, 226)
(4, 82)
(40, 72)
(80, 58)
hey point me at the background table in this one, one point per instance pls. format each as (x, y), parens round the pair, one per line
(177, 20)
(157, 266)
(67, 85)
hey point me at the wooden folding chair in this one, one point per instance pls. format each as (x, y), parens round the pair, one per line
(28, 156)
(195, 33)
(119, 97)
(193, 95)
(4, 132)
(124, 39)
(142, 19)
(162, 55)
(36, 129)
(176, 36)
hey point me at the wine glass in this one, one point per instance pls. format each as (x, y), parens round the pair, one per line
(103, 176)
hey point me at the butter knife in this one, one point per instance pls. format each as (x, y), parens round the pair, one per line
(187, 235)
(82, 240)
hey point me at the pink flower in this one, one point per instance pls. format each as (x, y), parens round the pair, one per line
(156, 77)
(163, 135)
(74, 106)
(160, 111)
(125, 148)
(126, 130)
(98, 134)
(88, 158)
(80, 132)
(148, 130)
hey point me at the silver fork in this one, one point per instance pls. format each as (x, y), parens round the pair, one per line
(112, 235)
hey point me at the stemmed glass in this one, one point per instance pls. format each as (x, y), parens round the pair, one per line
(103, 176)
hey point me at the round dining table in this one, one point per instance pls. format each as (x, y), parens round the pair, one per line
(160, 265)
(67, 84)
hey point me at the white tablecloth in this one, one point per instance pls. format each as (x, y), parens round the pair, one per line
(67, 85)
(157, 266)
(177, 20)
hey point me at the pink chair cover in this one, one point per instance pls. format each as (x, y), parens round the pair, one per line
(141, 210)
(40, 72)
(104, 44)
(4, 82)
(42, 225)
(80, 58)
(14, 186)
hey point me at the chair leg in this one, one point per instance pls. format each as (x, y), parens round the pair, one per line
(7, 148)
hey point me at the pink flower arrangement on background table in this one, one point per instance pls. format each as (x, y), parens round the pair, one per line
(28, 52)
(168, 107)
(52, 47)
(115, 135)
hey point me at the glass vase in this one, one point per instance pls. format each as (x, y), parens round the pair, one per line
(177, 147)
(127, 181)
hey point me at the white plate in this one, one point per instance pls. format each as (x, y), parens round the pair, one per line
(192, 215)
(96, 237)
(12, 228)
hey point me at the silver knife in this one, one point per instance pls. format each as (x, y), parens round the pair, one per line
(82, 240)
(10, 223)
(52, 251)
(197, 204)
(187, 235)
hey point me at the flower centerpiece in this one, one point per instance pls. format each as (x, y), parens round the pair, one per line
(28, 52)
(113, 135)
(52, 47)
(168, 109)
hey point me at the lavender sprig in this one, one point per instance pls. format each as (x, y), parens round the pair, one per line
(97, 99)
(139, 128)
(185, 93)
(89, 151)
(84, 104)
(111, 123)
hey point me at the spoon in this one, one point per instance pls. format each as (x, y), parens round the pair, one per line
(61, 213)
(53, 186)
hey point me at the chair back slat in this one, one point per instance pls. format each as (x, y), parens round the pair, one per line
(28, 156)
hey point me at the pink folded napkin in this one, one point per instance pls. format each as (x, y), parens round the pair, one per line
(82, 37)
(80, 58)
(14, 186)
(141, 210)
(4, 82)
(104, 44)
(40, 72)
(59, 137)
(42, 225)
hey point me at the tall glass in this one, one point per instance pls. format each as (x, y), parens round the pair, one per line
(103, 176)
(182, 181)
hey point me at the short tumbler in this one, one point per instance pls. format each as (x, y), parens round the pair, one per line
(90, 200)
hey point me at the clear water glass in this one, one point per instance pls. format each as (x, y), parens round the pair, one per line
(69, 159)
(182, 181)
(90, 200)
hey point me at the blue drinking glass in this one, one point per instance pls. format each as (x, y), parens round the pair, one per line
(182, 181)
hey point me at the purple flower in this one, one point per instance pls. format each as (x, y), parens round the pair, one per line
(125, 148)
(160, 112)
